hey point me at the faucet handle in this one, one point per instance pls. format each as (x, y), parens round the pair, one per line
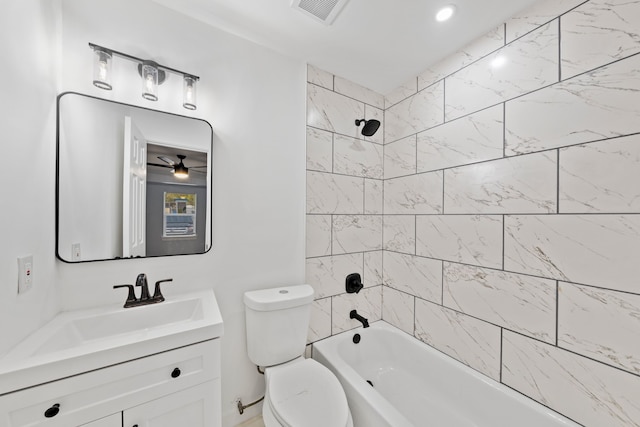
(141, 281)
(157, 293)
(131, 298)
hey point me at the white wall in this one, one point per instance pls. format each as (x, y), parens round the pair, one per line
(255, 100)
(27, 129)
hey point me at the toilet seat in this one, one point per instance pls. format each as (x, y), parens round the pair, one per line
(306, 393)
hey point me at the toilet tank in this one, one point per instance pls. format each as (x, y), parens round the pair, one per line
(277, 323)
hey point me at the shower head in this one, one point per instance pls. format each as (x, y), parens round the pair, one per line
(370, 126)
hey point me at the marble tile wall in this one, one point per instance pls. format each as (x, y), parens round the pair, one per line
(345, 202)
(511, 226)
(496, 216)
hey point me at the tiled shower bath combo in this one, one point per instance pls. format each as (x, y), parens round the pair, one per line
(496, 214)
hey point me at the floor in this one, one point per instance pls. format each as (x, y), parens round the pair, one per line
(253, 422)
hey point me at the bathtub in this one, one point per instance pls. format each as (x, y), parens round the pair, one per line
(392, 379)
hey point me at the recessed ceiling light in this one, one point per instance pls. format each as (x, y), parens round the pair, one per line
(445, 13)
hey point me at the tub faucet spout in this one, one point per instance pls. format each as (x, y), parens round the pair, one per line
(354, 315)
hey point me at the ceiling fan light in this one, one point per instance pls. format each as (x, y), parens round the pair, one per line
(181, 171)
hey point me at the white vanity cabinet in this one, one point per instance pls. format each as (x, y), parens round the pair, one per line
(180, 387)
(114, 420)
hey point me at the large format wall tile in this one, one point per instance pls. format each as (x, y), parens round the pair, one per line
(356, 157)
(473, 138)
(599, 104)
(319, 150)
(319, 77)
(320, 321)
(333, 112)
(469, 239)
(475, 50)
(318, 235)
(522, 184)
(599, 250)
(372, 275)
(355, 91)
(401, 92)
(373, 200)
(540, 13)
(520, 67)
(471, 341)
(600, 324)
(586, 391)
(399, 233)
(400, 158)
(415, 114)
(368, 303)
(398, 309)
(328, 193)
(601, 177)
(356, 233)
(327, 274)
(415, 194)
(599, 32)
(521, 303)
(414, 275)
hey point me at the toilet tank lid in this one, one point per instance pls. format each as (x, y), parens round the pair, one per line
(279, 298)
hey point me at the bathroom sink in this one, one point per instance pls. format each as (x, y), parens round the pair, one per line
(78, 341)
(85, 328)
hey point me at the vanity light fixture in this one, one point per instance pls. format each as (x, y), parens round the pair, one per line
(189, 92)
(151, 73)
(445, 13)
(151, 76)
(102, 68)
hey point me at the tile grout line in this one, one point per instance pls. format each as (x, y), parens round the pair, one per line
(557, 309)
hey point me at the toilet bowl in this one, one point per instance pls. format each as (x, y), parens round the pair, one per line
(299, 392)
(304, 393)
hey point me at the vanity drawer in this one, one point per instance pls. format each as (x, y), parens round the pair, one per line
(92, 395)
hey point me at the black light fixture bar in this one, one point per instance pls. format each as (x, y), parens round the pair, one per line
(140, 61)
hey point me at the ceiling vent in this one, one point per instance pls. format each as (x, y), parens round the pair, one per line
(324, 11)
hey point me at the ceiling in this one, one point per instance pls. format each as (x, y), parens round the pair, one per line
(379, 44)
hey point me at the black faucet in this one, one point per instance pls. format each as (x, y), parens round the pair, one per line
(354, 315)
(144, 299)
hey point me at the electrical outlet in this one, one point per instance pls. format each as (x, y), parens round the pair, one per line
(25, 273)
(76, 255)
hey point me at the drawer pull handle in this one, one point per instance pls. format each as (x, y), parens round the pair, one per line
(176, 373)
(53, 411)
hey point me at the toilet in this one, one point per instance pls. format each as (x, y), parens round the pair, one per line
(299, 392)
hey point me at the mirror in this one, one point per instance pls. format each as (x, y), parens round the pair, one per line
(131, 182)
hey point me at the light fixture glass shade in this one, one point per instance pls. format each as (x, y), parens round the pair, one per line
(149, 82)
(189, 92)
(102, 68)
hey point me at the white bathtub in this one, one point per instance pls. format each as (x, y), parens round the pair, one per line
(416, 385)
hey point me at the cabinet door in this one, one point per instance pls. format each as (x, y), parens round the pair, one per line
(197, 406)
(114, 420)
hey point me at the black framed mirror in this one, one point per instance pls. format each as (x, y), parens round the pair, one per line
(131, 182)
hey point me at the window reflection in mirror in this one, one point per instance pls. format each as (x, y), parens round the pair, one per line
(122, 170)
